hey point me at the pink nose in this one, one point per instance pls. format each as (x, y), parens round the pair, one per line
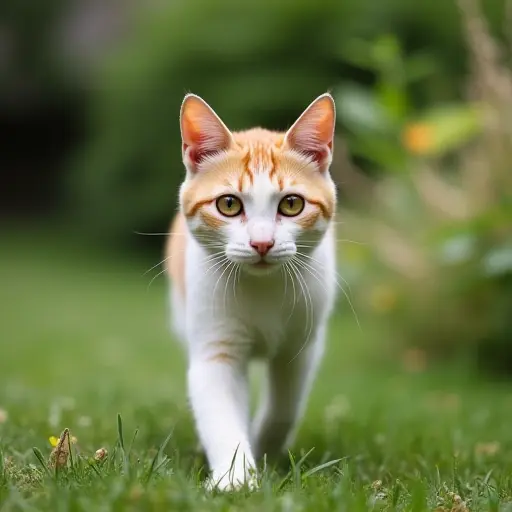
(262, 247)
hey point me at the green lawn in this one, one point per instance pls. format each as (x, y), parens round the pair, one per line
(83, 339)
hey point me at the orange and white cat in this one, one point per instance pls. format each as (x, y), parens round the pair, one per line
(252, 265)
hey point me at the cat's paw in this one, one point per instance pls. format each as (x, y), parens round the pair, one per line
(228, 482)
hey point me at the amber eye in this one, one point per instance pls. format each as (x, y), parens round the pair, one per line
(229, 206)
(291, 205)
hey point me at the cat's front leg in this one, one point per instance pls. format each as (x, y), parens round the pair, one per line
(217, 382)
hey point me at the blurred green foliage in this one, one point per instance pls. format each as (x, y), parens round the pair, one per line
(378, 117)
(438, 264)
(255, 63)
(436, 213)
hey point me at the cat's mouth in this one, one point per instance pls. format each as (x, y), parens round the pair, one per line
(263, 264)
(262, 267)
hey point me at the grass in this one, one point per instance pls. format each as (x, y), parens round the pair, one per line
(83, 340)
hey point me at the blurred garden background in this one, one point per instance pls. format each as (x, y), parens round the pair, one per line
(89, 100)
(90, 92)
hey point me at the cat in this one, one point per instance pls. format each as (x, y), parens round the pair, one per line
(251, 261)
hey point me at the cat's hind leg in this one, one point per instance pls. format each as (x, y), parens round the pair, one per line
(289, 380)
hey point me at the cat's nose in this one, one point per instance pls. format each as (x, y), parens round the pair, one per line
(262, 246)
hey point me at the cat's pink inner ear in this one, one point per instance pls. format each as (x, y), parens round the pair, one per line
(313, 133)
(202, 131)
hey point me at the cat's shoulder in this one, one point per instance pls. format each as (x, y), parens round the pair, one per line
(175, 252)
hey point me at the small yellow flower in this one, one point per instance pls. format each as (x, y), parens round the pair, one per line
(54, 441)
(418, 138)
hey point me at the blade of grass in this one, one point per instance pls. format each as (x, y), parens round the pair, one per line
(304, 457)
(397, 489)
(40, 458)
(158, 455)
(320, 467)
(3, 471)
(284, 480)
(133, 441)
(295, 471)
(120, 431)
(71, 461)
(126, 465)
(94, 467)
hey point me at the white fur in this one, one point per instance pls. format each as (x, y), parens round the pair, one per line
(247, 313)
(236, 310)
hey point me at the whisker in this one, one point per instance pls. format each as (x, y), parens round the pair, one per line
(286, 265)
(170, 257)
(204, 237)
(337, 274)
(156, 234)
(342, 240)
(344, 293)
(220, 277)
(283, 271)
(236, 281)
(309, 304)
(208, 260)
(158, 275)
(233, 267)
(157, 265)
(304, 288)
(215, 266)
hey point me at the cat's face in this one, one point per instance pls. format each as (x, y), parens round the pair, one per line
(258, 197)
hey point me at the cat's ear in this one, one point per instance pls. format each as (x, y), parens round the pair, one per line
(312, 134)
(202, 132)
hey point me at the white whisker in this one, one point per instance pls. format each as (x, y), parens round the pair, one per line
(337, 274)
(233, 266)
(294, 302)
(342, 290)
(159, 274)
(342, 240)
(228, 264)
(309, 309)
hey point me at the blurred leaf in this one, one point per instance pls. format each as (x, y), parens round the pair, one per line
(359, 109)
(358, 52)
(442, 129)
(387, 53)
(496, 216)
(419, 67)
(394, 100)
(498, 261)
(458, 249)
(384, 152)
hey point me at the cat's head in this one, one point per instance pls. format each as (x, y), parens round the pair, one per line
(258, 196)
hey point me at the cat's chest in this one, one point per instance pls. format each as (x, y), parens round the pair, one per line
(275, 316)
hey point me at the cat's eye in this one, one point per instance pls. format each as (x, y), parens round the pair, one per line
(229, 206)
(291, 205)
